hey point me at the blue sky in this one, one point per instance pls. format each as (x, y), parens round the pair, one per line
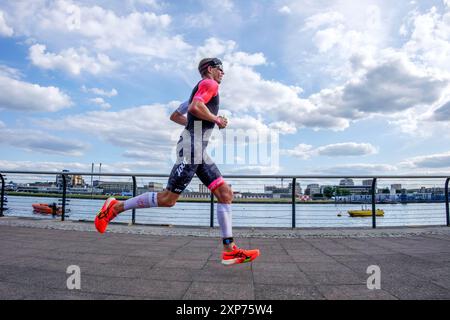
(354, 87)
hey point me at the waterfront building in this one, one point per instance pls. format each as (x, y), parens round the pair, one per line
(312, 189)
(347, 182)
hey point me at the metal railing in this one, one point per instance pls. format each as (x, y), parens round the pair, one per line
(293, 179)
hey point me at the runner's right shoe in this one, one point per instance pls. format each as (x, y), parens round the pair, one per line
(239, 256)
(105, 215)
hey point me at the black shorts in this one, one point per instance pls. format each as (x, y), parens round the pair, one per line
(182, 174)
(183, 171)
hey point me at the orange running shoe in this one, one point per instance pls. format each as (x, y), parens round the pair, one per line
(105, 215)
(239, 256)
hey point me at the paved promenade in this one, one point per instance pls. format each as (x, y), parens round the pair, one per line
(139, 262)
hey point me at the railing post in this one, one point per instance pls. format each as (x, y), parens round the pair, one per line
(447, 208)
(64, 197)
(374, 209)
(293, 203)
(133, 212)
(3, 195)
(211, 219)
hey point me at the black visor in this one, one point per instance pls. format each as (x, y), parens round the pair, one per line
(215, 63)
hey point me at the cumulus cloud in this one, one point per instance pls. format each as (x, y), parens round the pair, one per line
(442, 113)
(100, 92)
(146, 129)
(346, 149)
(10, 72)
(70, 60)
(441, 160)
(65, 21)
(392, 86)
(283, 127)
(5, 30)
(18, 95)
(44, 166)
(101, 103)
(323, 19)
(429, 42)
(113, 167)
(42, 142)
(285, 10)
(357, 169)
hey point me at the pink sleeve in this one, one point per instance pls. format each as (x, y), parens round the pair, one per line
(207, 89)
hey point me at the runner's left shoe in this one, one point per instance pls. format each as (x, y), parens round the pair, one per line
(105, 215)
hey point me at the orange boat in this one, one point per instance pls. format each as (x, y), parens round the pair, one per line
(45, 208)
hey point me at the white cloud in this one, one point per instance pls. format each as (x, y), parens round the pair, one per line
(243, 58)
(285, 10)
(143, 33)
(145, 128)
(44, 166)
(433, 161)
(154, 4)
(100, 92)
(42, 142)
(17, 95)
(220, 5)
(323, 19)
(214, 47)
(148, 155)
(70, 60)
(429, 43)
(357, 169)
(442, 113)
(5, 30)
(346, 149)
(100, 102)
(10, 72)
(283, 127)
(115, 167)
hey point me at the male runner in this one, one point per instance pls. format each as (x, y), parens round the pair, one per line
(202, 113)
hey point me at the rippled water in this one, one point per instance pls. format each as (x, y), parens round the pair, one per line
(248, 215)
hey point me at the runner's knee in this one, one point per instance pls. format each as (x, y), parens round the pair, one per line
(224, 194)
(167, 200)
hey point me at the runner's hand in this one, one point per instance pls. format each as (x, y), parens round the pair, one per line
(221, 122)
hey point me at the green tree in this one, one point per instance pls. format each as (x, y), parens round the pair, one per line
(328, 192)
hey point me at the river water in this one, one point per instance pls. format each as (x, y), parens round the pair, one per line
(247, 215)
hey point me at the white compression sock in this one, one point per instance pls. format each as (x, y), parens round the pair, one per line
(224, 217)
(146, 200)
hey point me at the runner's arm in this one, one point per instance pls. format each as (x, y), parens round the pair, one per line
(178, 118)
(206, 90)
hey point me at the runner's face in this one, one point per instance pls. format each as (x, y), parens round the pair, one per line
(217, 73)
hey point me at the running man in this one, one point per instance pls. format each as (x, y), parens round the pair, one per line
(202, 113)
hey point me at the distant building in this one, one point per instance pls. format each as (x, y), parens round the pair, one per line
(347, 182)
(155, 187)
(395, 188)
(312, 189)
(77, 181)
(367, 182)
(115, 187)
(59, 179)
(298, 188)
(282, 191)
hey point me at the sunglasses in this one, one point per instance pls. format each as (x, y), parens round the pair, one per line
(219, 67)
